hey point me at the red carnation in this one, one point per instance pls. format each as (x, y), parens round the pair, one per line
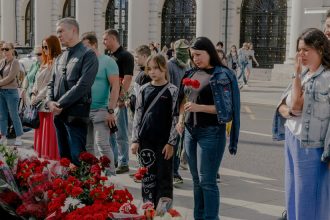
(65, 162)
(187, 82)
(138, 176)
(195, 84)
(96, 170)
(76, 191)
(105, 161)
(88, 158)
(174, 213)
(142, 170)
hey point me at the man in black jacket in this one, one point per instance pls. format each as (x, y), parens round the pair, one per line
(69, 91)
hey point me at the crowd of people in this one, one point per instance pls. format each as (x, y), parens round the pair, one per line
(185, 105)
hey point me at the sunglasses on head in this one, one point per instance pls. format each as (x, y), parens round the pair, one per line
(38, 54)
(45, 47)
(5, 49)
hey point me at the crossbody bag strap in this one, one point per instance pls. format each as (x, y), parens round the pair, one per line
(155, 100)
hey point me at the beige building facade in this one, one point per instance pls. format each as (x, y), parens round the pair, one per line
(27, 22)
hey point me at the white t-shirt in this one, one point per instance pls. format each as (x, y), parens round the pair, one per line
(294, 124)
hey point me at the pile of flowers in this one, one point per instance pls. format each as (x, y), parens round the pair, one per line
(51, 190)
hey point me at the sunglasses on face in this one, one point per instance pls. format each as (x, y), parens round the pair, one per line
(45, 47)
(38, 54)
(5, 49)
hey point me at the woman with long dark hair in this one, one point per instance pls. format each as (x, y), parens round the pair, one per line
(209, 107)
(302, 120)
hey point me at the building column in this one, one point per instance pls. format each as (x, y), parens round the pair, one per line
(208, 19)
(295, 29)
(42, 20)
(85, 15)
(138, 23)
(8, 21)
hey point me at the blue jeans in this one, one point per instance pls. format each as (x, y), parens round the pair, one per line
(119, 140)
(71, 139)
(305, 176)
(9, 104)
(243, 67)
(205, 148)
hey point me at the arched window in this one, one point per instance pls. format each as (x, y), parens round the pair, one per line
(263, 22)
(116, 17)
(29, 24)
(69, 8)
(178, 21)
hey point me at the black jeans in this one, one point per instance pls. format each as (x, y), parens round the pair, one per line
(158, 181)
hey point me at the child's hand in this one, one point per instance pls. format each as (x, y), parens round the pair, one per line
(135, 147)
(168, 151)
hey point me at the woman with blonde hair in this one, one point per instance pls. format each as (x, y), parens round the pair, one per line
(9, 98)
(45, 142)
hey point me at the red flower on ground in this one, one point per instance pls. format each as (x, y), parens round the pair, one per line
(105, 161)
(96, 170)
(76, 191)
(142, 170)
(65, 162)
(174, 213)
(88, 158)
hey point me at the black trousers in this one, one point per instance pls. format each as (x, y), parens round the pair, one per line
(158, 181)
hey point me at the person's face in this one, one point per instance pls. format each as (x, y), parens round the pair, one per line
(45, 48)
(88, 44)
(327, 28)
(309, 55)
(233, 49)
(38, 53)
(154, 72)
(65, 33)
(219, 47)
(108, 41)
(7, 51)
(220, 54)
(140, 59)
(201, 58)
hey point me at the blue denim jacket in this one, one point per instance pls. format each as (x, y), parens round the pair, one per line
(226, 97)
(315, 130)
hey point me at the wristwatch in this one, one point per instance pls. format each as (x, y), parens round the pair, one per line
(111, 111)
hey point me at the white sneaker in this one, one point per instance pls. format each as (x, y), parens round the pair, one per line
(18, 141)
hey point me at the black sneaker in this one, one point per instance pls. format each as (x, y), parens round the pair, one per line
(177, 180)
(218, 178)
(122, 169)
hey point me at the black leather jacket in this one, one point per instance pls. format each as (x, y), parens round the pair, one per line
(73, 74)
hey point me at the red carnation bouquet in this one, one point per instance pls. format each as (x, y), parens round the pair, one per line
(189, 84)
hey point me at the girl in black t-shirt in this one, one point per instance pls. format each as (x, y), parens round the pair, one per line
(153, 133)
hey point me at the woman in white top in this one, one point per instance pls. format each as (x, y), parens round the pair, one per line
(251, 58)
